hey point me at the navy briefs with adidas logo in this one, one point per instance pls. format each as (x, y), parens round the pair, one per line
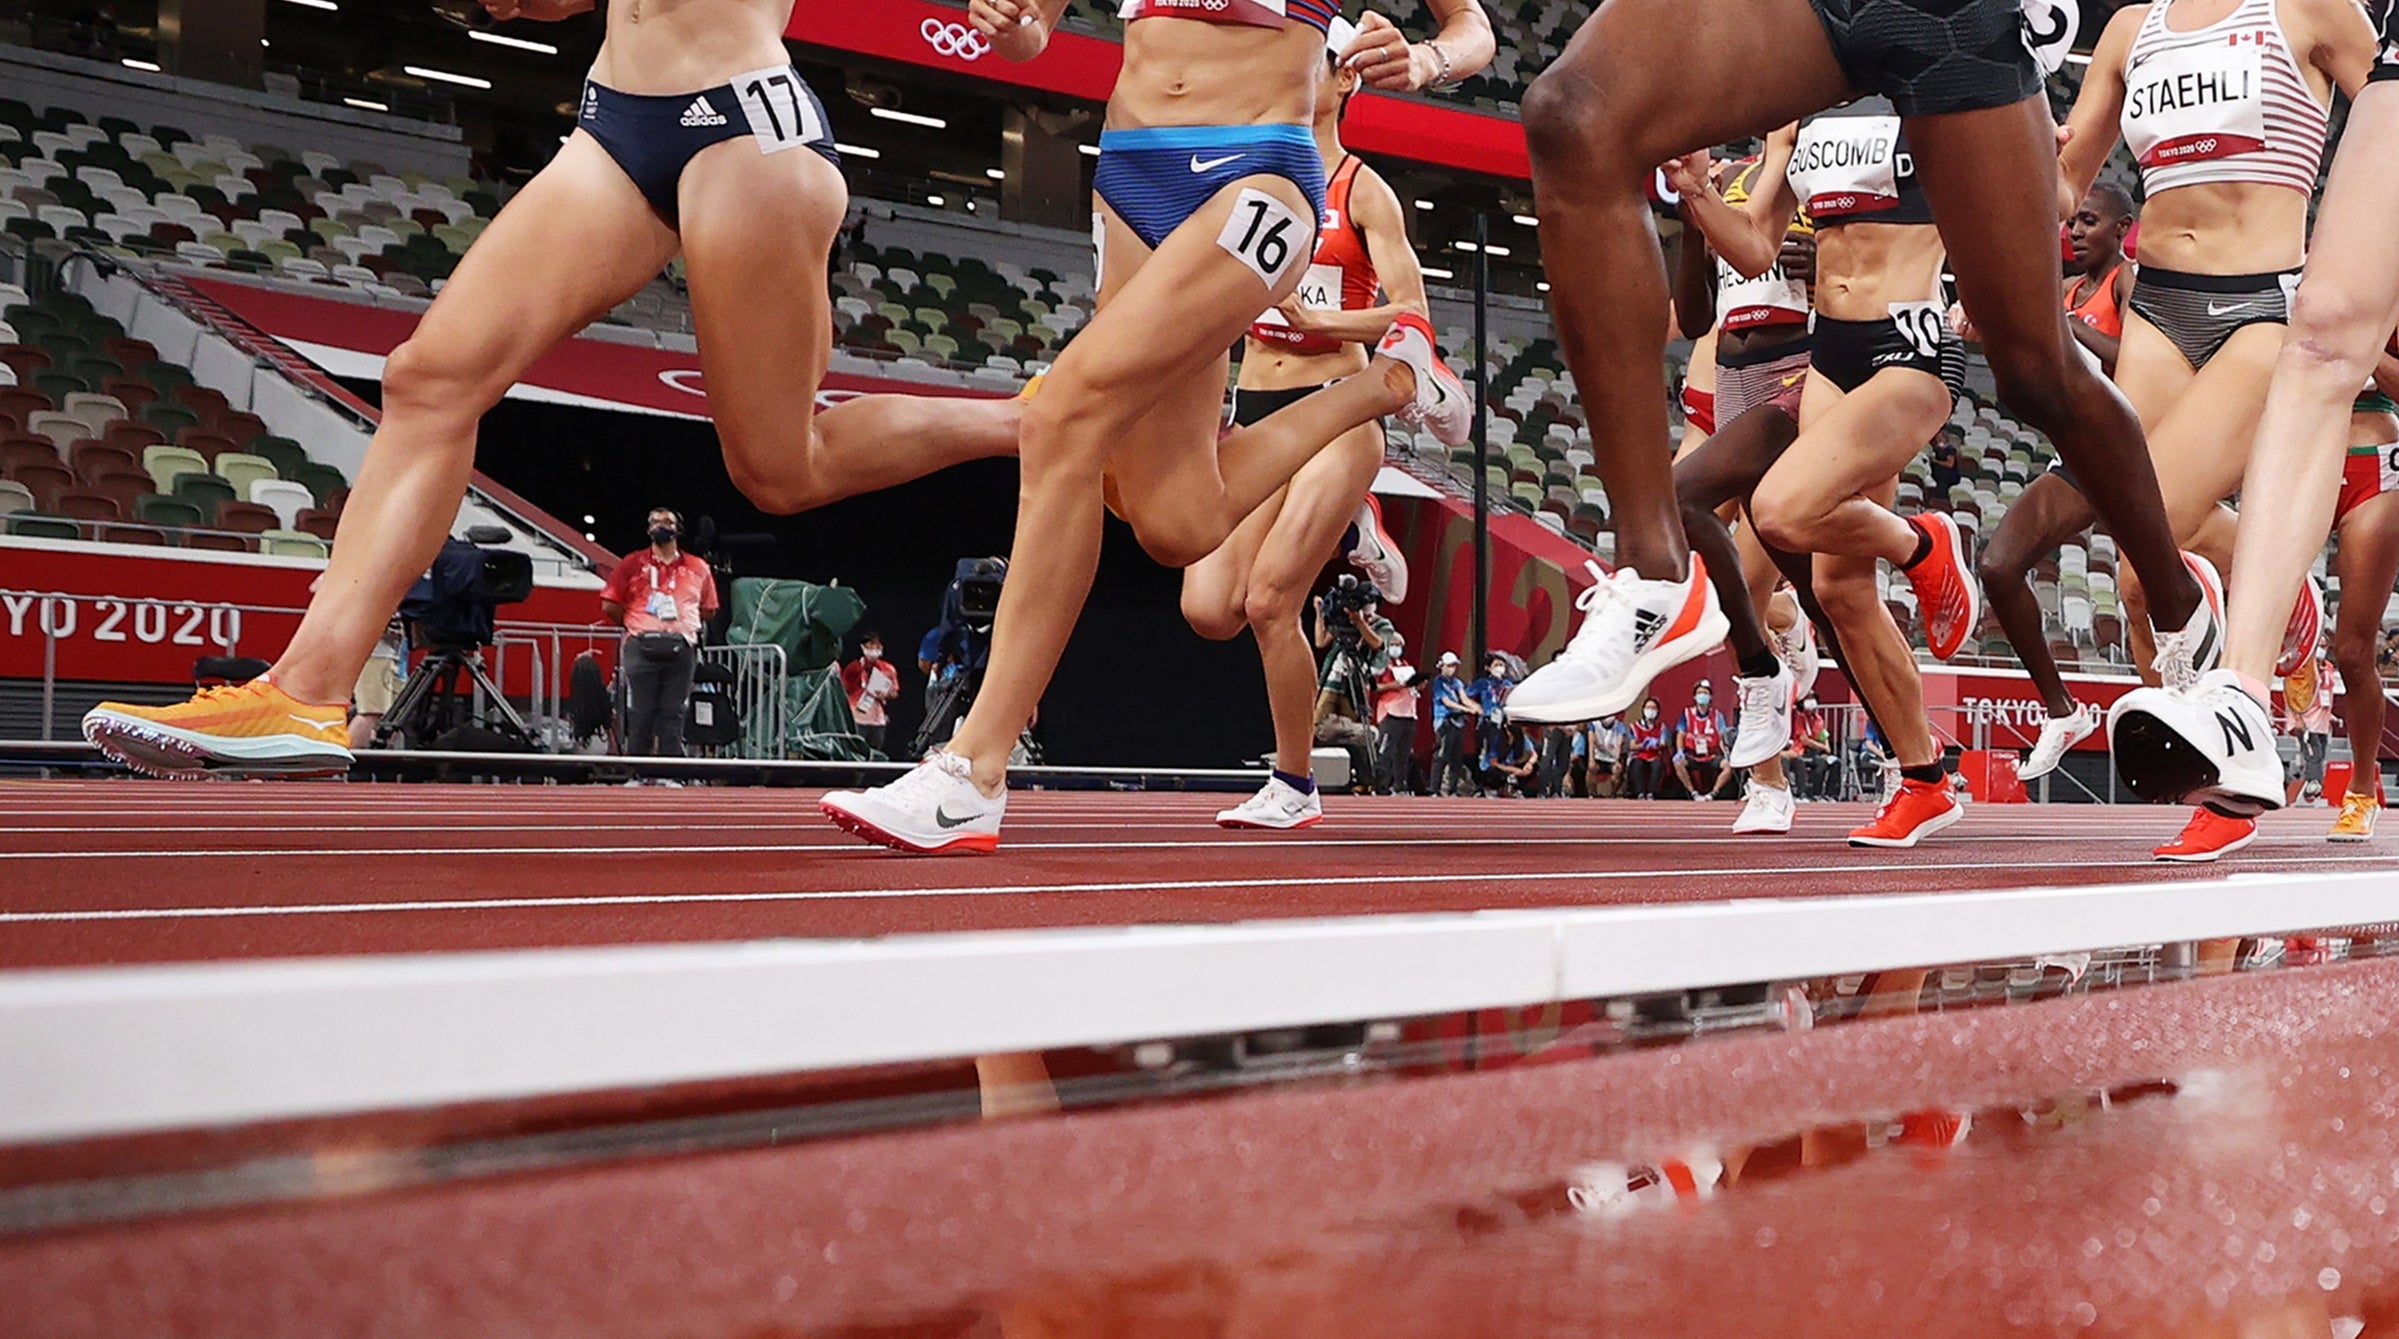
(653, 137)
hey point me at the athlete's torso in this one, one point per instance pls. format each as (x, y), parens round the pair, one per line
(679, 46)
(2229, 127)
(1855, 175)
(1340, 277)
(1772, 299)
(1217, 70)
(2095, 304)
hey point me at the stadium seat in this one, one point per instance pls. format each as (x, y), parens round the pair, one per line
(83, 504)
(321, 481)
(15, 496)
(285, 498)
(166, 462)
(205, 491)
(35, 525)
(18, 450)
(318, 522)
(242, 470)
(293, 544)
(171, 512)
(246, 518)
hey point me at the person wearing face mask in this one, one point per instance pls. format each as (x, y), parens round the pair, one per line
(660, 597)
(1810, 760)
(1453, 707)
(871, 683)
(1645, 769)
(1699, 746)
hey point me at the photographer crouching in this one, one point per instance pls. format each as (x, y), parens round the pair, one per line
(660, 597)
(1363, 643)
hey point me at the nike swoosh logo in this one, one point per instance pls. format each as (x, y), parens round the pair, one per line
(1214, 163)
(2214, 310)
(313, 725)
(941, 817)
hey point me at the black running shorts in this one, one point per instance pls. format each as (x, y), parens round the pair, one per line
(1933, 56)
(1254, 406)
(2386, 68)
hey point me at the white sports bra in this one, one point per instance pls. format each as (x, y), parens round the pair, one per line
(1317, 14)
(2224, 103)
(1852, 165)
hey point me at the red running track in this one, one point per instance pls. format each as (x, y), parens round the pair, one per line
(111, 872)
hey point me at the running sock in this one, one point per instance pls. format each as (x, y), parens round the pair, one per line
(1924, 550)
(2257, 688)
(1305, 785)
(1763, 665)
(1929, 774)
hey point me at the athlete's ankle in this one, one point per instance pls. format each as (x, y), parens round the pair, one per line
(304, 688)
(1399, 382)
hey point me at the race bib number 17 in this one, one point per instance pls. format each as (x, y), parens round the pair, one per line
(781, 113)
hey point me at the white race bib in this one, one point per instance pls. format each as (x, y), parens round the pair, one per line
(1846, 165)
(1264, 234)
(2187, 104)
(781, 113)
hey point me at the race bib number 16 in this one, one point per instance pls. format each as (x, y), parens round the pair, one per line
(1267, 236)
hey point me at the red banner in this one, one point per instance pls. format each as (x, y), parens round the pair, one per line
(935, 36)
(350, 339)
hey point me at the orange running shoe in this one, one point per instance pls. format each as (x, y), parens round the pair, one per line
(2356, 823)
(2305, 632)
(1947, 593)
(249, 729)
(1915, 811)
(2207, 836)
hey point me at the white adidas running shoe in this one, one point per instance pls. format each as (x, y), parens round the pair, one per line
(1442, 406)
(1278, 805)
(1765, 728)
(1767, 811)
(1632, 631)
(933, 810)
(2059, 734)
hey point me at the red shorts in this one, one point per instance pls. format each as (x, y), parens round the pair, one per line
(1699, 409)
(2364, 478)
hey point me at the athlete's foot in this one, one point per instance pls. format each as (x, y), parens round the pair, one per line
(1632, 631)
(1765, 727)
(2210, 744)
(1376, 554)
(1946, 590)
(2305, 632)
(934, 809)
(1440, 403)
(2358, 815)
(2208, 836)
(1278, 805)
(1918, 810)
(251, 729)
(2194, 648)
(2059, 735)
(1767, 811)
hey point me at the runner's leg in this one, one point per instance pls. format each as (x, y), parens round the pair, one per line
(2368, 565)
(2050, 512)
(1317, 507)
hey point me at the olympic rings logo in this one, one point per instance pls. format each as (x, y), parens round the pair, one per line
(954, 39)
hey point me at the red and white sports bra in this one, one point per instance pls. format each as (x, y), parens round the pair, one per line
(1340, 276)
(2228, 102)
(1317, 14)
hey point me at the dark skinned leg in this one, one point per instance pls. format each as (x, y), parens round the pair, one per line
(1725, 468)
(1989, 177)
(1599, 121)
(2049, 513)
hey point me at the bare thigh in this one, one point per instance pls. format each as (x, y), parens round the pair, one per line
(2201, 440)
(2150, 370)
(1851, 445)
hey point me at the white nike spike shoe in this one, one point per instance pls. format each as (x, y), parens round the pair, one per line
(1278, 806)
(1442, 406)
(1765, 728)
(1768, 811)
(2059, 735)
(933, 810)
(1377, 555)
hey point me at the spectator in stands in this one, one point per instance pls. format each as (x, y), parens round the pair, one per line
(1648, 742)
(1947, 464)
(1509, 762)
(659, 596)
(872, 684)
(378, 684)
(1809, 760)
(1453, 707)
(1874, 760)
(1395, 719)
(1603, 757)
(2387, 660)
(1699, 744)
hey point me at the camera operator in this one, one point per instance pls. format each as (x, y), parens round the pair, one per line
(660, 597)
(1363, 643)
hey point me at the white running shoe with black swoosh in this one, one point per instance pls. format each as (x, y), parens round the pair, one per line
(933, 810)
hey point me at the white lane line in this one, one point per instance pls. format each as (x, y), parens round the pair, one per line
(1827, 835)
(982, 890)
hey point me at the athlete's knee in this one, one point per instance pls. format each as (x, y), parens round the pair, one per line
(1272, 601)
(430, 377)
(776, 494)
(1846, 599)
(2354, 649)
(1173, 539)
(2333, 335)
(2004, 561)
(1212, 613)
(2037, 384)
(1785, 517)
(1574, 122)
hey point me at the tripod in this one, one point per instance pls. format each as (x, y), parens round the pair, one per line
(431, 705)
